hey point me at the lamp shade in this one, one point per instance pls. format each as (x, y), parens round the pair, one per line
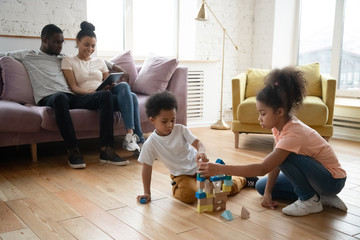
(202, 15)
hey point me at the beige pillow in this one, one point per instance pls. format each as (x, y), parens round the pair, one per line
(312, 76)
(255, 81)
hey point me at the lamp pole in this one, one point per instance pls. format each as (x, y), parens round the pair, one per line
(220, 124)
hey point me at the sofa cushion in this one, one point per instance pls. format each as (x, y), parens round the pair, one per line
(255, 81)
(18, 118)
(154, 75)
(83, 119)
(126, 62)
(312, 76)
(16, 82)
(313, 112)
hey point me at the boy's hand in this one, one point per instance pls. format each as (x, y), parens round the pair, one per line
(201, 157)
(268, 202)
(146, 196)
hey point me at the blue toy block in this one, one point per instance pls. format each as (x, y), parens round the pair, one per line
(228, 182)
(227, 177)
(142, 200)
(227, 215)
(217, 178)
(219, 161)
(200, 179)
(200, 195)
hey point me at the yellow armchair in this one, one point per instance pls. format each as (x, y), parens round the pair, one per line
(317, 110)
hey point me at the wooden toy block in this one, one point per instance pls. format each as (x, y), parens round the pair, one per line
(200, 195)
(209, 195)
(206, 208)
(227, 215)
(228, 182)
(221, 194)
(210, 201)
(209, 187)
(217, 178)
(219, 161)
(219, 206)
(220, 199)
(198, 178)
(226, 188)
(202, 202)
(245, 214)
(200, 184)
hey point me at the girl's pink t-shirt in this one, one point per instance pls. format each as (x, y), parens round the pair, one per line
(299, 138)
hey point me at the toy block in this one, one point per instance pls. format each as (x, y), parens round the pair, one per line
(209, 195)
(217, 186)
(219, 206)
(226, 188)
(227, 215)
(200, 195)
(220, 199)
(227, 177)
(209, 187)
(228, 182)
(219, 161)
(200, 184)
(202, 202)
(210, 201)
(217, 178)
(245, 214)
(221, 194)
(199, 178)
(206, 208)
(200, 190)
(142, 200)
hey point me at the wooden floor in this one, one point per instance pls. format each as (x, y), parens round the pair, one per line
(49, 200)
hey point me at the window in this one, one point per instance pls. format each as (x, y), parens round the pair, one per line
(329, 35)
(164, 27)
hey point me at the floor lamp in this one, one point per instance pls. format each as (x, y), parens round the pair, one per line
(202, 16)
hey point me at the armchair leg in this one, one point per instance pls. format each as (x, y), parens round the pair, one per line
(236, 139)
(33, 147)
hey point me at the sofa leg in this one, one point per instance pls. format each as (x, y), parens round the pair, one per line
(33, 147)
(236, 139)
(327, 138)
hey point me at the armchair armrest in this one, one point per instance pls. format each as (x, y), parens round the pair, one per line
(238, 92)
(328, 84)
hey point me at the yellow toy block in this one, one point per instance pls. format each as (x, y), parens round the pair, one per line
(226, 188)
(205, 208)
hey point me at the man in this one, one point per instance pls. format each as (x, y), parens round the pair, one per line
(50, 89)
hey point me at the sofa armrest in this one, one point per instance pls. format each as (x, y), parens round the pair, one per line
(238, 92)
(328, 94)
(178, 85)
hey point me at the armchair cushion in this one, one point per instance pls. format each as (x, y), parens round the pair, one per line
(312, 76)
(313, 112)
(255, 81)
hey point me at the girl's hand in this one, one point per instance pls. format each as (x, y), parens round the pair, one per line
(268, 202)
(207, 169)
(146, 196)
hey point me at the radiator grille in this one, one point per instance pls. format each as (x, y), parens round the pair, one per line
(195, 103)
(347, 123)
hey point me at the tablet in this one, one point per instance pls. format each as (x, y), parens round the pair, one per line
(110, 80)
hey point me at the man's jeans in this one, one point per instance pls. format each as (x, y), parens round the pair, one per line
(62, 102)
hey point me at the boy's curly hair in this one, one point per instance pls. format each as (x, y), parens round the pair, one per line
(160, 101)
(284, 88)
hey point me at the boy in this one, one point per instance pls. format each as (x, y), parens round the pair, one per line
(176, 147)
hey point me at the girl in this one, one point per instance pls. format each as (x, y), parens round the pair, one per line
(303, 165)
(84, 74)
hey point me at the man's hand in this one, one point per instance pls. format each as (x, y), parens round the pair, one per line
(268, 202)
(146, 196)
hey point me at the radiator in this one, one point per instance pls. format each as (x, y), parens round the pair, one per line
(195, 101)
(346, 127)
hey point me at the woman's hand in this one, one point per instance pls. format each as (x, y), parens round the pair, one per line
(207, 169)
(268, 202)
(146, 196)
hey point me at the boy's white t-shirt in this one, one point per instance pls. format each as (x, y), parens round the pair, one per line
(174, 150)
(88, 74)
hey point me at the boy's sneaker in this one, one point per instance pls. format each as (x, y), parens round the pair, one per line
(302, 208)
(251, 181)
(109, 156)
(75, 159)
(333, 201)
(130, 142)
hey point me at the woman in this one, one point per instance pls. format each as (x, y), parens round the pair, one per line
(84, 74)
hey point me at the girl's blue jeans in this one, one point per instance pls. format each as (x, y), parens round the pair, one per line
(300, 178)
(126, 102)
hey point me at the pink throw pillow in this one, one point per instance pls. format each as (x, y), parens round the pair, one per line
(126, 62)
(154, 75)
(16, 82)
